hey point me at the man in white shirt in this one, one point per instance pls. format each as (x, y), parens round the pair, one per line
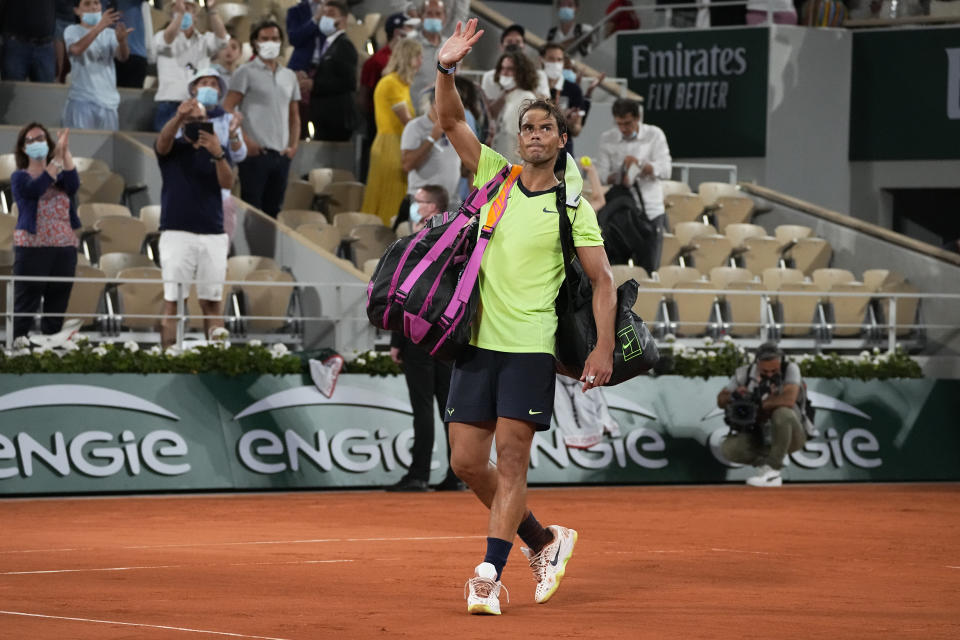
(512, 38)
(428, 157)
(635, 152)
(181, 52)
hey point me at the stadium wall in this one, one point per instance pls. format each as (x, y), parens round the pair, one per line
(72, 434)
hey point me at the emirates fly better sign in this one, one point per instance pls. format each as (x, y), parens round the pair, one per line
(706, 89)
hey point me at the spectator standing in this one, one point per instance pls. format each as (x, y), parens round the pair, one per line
(568, 30)
(427, 155)
(393, 109)
(269, 95)
(437, 22)
(28, 32)
(228, 59)
(44, 241)
(427, 379)
(181, 52)
(626, 20)
(370, 75)
(564, 90)
(303, 29)
(510, 40)
(63, 11)
(517, 77)
(333, 104)
(93, 45)
(193, 245)
(132, 71)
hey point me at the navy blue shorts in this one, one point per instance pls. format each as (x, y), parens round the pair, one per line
(487, 385)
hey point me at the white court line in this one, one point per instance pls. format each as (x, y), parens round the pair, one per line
(258, 542)
(135, 624)
(949, 567)
(168, 566)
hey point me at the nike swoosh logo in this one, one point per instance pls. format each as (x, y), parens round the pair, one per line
(534, 413)
(450, 412)
(556, 558)
(545, 210)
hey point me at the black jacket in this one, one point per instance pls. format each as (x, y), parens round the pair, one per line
(333, 104)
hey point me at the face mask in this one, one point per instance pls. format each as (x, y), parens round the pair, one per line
(90, 19)
(269, 50)
(553, 69)
(569, 75)
(187, 21)
(630, 136)
(37, 150)
(328, 25)
(566, 14)
(208, 96)
(415, 215)
(507, 82)
(432, 25)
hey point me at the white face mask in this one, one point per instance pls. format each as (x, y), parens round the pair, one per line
(507, 83)
(553, 70)
(268, 50)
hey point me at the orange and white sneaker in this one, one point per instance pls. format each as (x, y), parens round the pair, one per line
(483, 591)
(550, 564)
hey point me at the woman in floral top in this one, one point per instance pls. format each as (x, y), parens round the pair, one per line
(44, 242)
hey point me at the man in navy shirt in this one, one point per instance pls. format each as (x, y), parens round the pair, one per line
(193, 245)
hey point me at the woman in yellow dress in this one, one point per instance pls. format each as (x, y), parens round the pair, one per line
(392, 109)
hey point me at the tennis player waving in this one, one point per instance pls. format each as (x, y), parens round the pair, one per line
(503, 382)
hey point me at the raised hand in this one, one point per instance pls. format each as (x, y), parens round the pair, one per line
(211, 4)
(188, 108)
(210, 142)
(122, 32)
(235, 122)
(63, 143)
(108, 18)
(459, 44)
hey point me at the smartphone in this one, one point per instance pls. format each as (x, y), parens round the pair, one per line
(191, 130)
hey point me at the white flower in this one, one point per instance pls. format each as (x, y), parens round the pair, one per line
(701, 355)
(131, 346)
(371, 354)
(255, 343)
(278, 349)
(222, 344)
(728, 339)
(21, 343)
(360, 361)
(708, 341)
(100, 351)
(220, 333)
(155, 350)
(669, 338)
(865, 355)
(21, 352)
(42, 349)
(876, 351)
(172, 351)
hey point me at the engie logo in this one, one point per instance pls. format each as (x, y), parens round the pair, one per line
(155, 451)
(953, 84)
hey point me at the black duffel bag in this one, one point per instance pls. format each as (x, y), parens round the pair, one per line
(634, 352)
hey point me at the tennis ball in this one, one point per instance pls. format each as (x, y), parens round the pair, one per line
(585, 161)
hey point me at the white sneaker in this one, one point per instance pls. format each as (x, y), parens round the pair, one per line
(766, 476)
(483, 591)
(551, 563)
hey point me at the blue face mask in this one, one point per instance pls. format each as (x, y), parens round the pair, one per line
(415, 216)
(37, 150)
(90, 19)
(432, 25)
(566, 14)
(569, 75)
(631, 136)
(208, 96)
(187, 21)
(328, 25)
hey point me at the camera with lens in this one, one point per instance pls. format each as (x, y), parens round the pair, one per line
(743, 411)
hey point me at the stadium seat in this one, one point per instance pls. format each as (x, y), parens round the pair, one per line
(119, 234)
(321, 177)
(96, 186)
(682, 207)
(744, 309)
(788, 233)
(8, 164)
(799, 314)
(347, 220)
(848, 311)
(343, 196)
(759, 253)
(324, 236)
(150, 216)
(8, 224)
(670, 187)
(85, 297)
(670, 275)
(722, 276)
(670, 250)
(906, 307)
(6, 257)
(370, 266)
(140, 298)
(84, 165)
(726, 203)
(693, 309)
(239, 267)
(738, 232)
(623, 273)
(267, 301)
(708, 251)
(295, 218)
(775, 276)
(111, 264)
(369, 241)
(90, 212)
(299, 195)
(826, 278)
(687, 231)
(810, 254)
(877, 279)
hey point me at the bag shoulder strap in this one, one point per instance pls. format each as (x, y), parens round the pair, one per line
(480, 196)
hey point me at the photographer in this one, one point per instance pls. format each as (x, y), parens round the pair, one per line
(763, 405)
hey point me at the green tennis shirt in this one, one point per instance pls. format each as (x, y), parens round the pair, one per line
(522, 267)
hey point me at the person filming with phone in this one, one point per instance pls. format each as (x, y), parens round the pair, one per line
(193, 245)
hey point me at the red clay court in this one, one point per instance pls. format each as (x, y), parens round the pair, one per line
(841, 561)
